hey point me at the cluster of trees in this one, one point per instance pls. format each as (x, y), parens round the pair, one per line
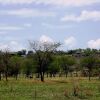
(44, 59)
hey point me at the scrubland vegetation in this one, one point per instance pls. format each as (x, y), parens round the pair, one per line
(44, 73)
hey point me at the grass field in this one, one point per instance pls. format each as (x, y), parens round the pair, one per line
(51, 89)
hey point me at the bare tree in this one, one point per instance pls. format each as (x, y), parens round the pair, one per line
(43, 52)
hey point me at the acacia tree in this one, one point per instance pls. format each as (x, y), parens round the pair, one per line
(15, 65)
(89, 63)
(6, 59)
(43, 52)
(98, 67)
(1, 64)
(66, 63)
(28, 67)
(54, 67)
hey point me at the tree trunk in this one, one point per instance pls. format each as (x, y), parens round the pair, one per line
(76, 74)
(0, 76)
(71, 74)
(47, 74)
(66, 73)
(6, 75)
(51, 75)
(99, 76)
(60, 74)
(89, 75)
(37, 75)
(42, 76)
(16, 77)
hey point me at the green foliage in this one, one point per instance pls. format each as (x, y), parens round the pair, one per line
(67, 63)
(54, 65)
(28, 66)
(89, 62)
(15, 65)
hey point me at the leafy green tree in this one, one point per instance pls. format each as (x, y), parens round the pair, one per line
(88, 52)
(28, 67)
(15, 66)
(21, 53)
(54, 66)
(98, 67)
(1, 65)
(6, 58)
(67, 63)
(89, 63)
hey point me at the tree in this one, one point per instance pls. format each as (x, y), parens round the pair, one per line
(15, 66)
(54, 67)
(6, 59)
(88, 52)
(43, 52)
(89, 63)
(66, 63)
(21, 53)
(98, 67)
(28, 66)
(1, 64)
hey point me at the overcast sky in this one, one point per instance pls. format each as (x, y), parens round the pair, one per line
(74, 23)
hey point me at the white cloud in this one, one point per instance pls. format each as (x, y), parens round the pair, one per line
(68, 2)
(5, 27)
(3, 32)
(84, 16)
(52, 2)
(28, 25)
(12, 46)
(95, 44)
(56, 26)
(5, 2)
(70, 42)
(45, 38)
(26, 12)
(9, 28)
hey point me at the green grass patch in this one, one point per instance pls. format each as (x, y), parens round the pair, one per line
(51, 89)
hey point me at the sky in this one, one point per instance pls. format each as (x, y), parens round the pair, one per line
(74, 23)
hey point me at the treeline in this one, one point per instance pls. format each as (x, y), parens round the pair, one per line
(45, 60)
